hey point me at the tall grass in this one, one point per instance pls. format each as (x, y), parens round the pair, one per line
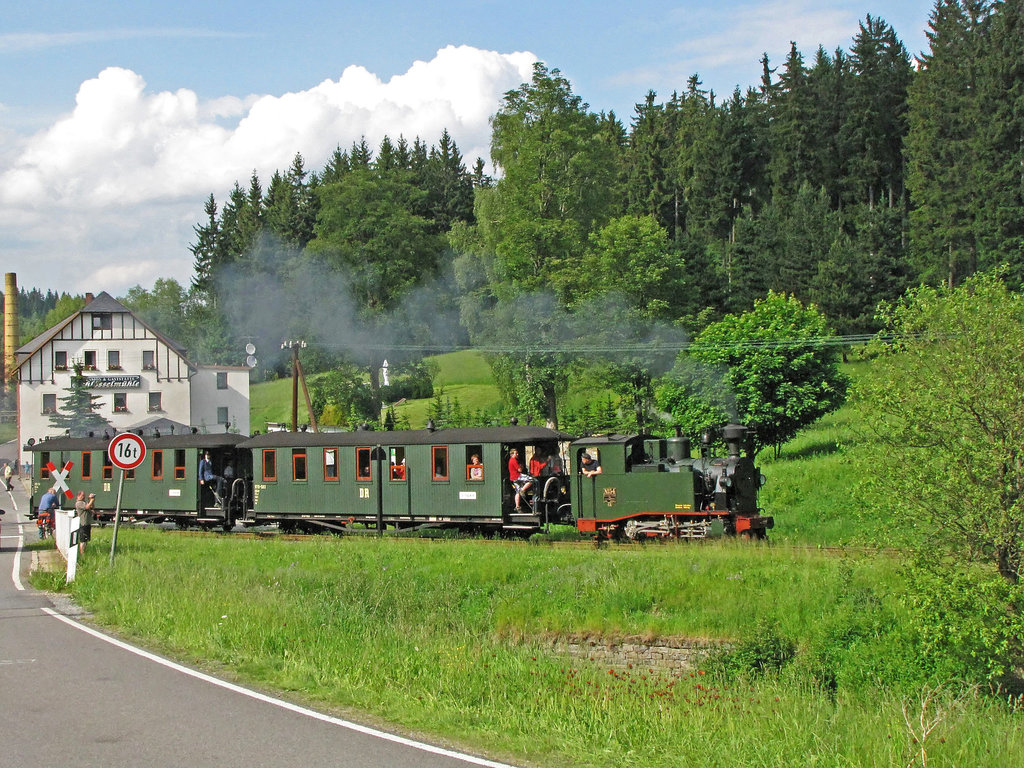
(453, 638)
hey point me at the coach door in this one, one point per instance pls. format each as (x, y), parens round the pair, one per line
(397, 497)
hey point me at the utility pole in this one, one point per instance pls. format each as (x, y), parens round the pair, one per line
(297, 375)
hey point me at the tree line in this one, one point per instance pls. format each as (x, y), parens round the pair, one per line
(839, 181)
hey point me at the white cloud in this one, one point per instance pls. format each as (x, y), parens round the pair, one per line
(106, 196)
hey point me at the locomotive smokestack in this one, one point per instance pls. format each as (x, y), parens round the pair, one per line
(734, 435)
(10, 324)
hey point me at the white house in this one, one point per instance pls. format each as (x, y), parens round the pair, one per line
(140, 375)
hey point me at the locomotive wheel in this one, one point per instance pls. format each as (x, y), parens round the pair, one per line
(631, 530)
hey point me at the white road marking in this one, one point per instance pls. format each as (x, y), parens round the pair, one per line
(279, 702)
(16, 570)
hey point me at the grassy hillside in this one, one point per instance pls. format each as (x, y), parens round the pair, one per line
(461, 375)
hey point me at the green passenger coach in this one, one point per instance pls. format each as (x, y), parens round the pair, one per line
(165, 486)
(403, 479)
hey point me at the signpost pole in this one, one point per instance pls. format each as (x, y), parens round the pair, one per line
(117, 518)
(126, 451)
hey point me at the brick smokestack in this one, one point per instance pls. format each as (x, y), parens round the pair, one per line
(10, 323)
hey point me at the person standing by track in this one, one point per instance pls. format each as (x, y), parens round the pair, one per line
(83, 510)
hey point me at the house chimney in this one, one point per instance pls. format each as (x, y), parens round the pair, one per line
(10, 324)
(88, 298)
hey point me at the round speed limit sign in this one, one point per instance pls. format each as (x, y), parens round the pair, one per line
(126, 451)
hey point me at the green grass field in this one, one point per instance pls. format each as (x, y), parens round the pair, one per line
(454, 638)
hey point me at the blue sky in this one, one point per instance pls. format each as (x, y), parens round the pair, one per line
(118, 119)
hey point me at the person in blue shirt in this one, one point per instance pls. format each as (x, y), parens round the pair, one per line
(44, 517)
(207, 475)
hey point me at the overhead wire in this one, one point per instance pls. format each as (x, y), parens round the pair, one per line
(623, 347)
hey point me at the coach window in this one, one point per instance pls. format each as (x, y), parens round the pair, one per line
(108, 467)
(364, 473)
(331, 465)
(299, 464)
(179, 463)
(474, 465)
(129, 474)
(439, 462)
(158, 465)
(44, 459)
(86, 465)
(270, 464)
(396, 463)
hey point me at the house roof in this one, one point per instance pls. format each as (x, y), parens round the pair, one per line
(104, 302)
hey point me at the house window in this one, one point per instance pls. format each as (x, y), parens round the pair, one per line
(148, 360)
(86, 465)
(270, 464)
(113, 360)
(331, 464)
(222, 415)
(101, 321)
(179, 464)
(108, 467)
(50, 403)
(222, 379)
(439, 462)
(89, 360)
(158, 465)
(364, 474)
(155, 403)
(60, 361)
(299, 464)
(120, 402)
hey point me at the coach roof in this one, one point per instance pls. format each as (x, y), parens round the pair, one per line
(507, 435)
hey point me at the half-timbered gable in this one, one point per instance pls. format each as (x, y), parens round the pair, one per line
(137, 373)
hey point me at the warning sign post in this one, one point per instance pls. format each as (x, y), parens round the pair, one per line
(126, 451)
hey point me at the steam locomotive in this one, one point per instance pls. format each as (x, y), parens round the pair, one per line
(448, 478)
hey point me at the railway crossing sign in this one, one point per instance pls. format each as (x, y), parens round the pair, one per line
(59, 478)
(126, 450)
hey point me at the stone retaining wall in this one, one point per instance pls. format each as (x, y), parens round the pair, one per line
(664, 653)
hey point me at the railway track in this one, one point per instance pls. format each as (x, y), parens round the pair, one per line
(581, 544)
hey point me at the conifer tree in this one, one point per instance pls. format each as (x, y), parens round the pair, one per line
(942, 140)
(77, 412)
(1000, 219)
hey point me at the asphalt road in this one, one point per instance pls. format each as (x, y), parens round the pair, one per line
(73, 695)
